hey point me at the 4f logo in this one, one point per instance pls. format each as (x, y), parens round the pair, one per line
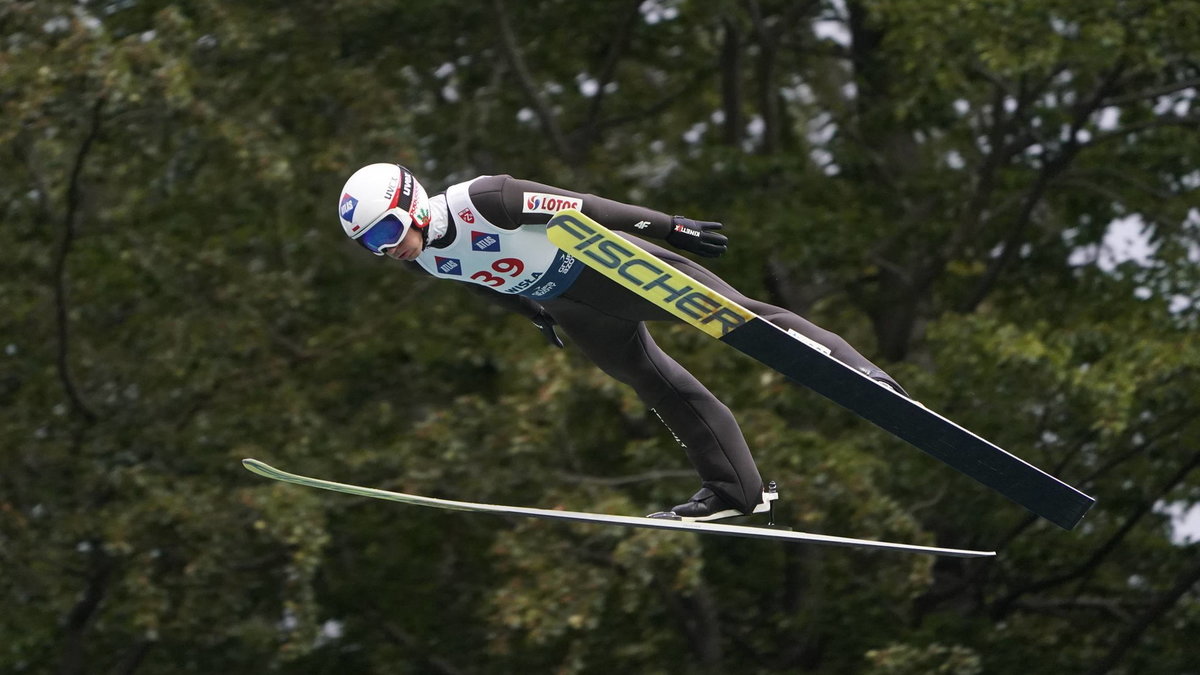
(482, 241)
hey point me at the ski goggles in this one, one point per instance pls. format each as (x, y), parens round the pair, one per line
(385, 232)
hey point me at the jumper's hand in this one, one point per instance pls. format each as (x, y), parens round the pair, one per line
(546, 323)
(698, 236)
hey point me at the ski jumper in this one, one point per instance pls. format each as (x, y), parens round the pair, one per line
(494, 239)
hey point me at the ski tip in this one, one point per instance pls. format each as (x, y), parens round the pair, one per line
(256, 466)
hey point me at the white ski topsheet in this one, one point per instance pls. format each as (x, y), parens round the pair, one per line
(264, 469)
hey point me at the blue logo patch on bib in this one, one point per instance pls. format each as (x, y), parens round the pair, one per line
(483, 241)
(448, 265)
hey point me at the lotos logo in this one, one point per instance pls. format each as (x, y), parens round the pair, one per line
(542, 202)
(482, 241)
(347, 208)
(447, 265)
(467, 216)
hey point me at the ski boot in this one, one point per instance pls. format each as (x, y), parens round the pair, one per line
(706, 506)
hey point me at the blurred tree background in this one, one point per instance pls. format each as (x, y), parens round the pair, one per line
(997, 199)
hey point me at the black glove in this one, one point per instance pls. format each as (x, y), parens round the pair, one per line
(545, 323)
(698, 236)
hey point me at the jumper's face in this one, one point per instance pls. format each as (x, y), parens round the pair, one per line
(409, 247)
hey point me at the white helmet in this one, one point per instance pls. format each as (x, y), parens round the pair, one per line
(378, 205)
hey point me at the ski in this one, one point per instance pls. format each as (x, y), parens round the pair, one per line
(808, 363)
(268, 471)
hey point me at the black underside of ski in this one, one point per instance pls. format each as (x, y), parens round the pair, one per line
(808, 363)
(961, 449)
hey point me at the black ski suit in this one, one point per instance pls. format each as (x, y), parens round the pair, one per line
(607, 323)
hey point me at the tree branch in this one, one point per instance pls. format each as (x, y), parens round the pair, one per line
(1155, 92)
(697, 615)
(1125, 641)
(435, 663)
(70, 222)
(669, 99)
(608, 70)
(80, 618)
(508, 44)
(1097, 557)
(731, 82)
(1161, 121)
(612, 481)
(1050, 170)
(1138, 449)
(134, 657)
(1016, 233)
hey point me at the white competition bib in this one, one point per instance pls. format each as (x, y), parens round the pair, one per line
(520, 261)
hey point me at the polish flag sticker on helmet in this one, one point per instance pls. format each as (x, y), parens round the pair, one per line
(483, 241)
(543, 202)
(448, 265)
(346, 208)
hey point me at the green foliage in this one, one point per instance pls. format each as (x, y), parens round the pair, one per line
(936, 184)
(903, 659)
